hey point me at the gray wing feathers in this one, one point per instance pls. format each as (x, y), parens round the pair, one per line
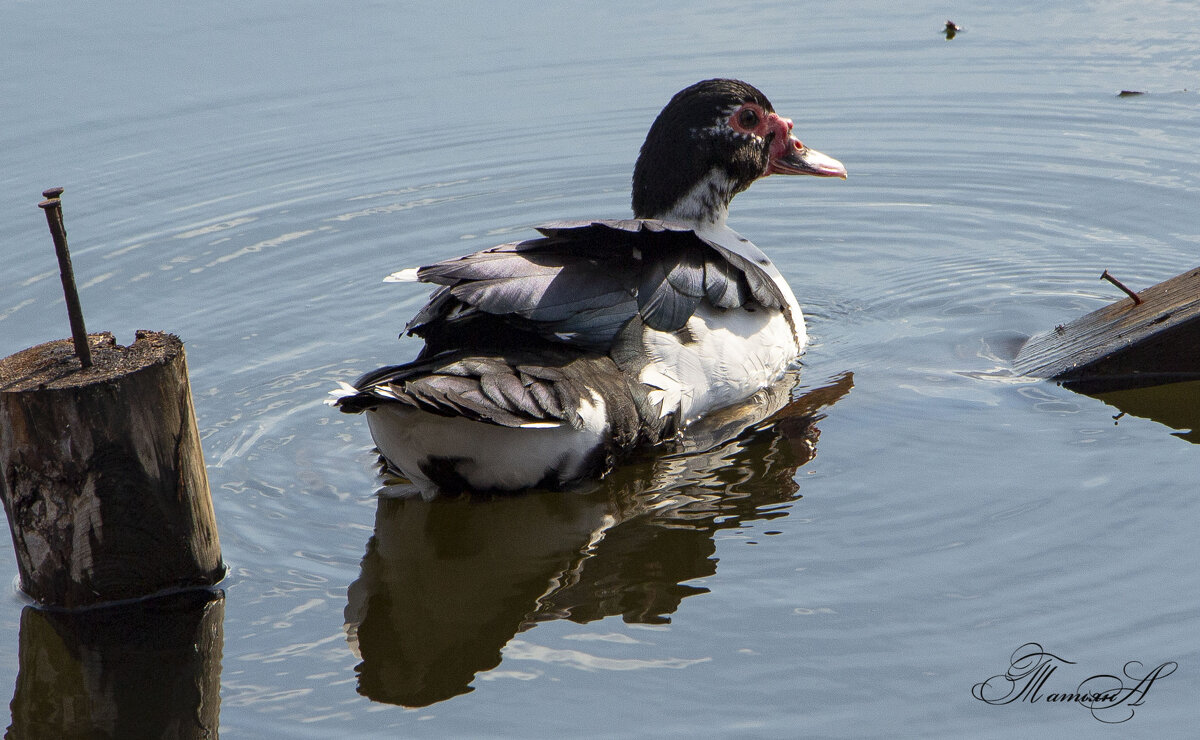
(586, 279)
(516, 391)
(567, 295)
(670, 290)
(724, 285)
(483, 389)
(762, 287)
(756, 268)
(545, 298)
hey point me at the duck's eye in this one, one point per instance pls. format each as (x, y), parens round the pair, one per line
(748, 119)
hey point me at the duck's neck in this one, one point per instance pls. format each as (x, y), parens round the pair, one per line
(704, 205)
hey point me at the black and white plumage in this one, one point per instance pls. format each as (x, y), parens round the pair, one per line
(547, 360)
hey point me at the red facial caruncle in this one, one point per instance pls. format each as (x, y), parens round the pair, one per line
(752, 120)
(788, 155)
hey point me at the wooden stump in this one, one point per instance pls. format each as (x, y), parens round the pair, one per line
(102, 474)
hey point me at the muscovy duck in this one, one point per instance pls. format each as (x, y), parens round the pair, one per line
(547, 360)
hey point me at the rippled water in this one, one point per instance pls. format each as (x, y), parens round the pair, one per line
(245, 178)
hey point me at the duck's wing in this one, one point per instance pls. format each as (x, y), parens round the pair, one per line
(509, 392)
(739, 257)
(559, 387)
(583, 281)
(565, 290)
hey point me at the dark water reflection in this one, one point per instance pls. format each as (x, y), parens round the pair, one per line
(446, 583)
(150, 668)
(1176, 405)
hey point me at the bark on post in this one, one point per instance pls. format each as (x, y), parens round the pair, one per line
(101, 472)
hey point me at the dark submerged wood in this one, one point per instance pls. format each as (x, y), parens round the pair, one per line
(102, 474)
(1124, 343)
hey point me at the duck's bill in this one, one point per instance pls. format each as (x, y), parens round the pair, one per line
(800, 160)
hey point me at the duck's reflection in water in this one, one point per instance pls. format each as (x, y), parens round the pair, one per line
(445, 584)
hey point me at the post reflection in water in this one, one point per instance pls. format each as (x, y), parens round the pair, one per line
(150, 668)
(446, 583)
(1176, 405)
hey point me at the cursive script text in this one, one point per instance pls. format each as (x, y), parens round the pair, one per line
(1109, 698)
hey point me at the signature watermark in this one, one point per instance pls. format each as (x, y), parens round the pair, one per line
(1110, 698)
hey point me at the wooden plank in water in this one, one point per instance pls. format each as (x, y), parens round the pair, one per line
(1155, 341)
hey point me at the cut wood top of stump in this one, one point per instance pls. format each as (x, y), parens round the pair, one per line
(54, 366)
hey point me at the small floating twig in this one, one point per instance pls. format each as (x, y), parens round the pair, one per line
(53, 208)
(1137, 300)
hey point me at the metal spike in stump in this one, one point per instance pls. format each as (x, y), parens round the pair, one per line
(53, 208)
(101, 471)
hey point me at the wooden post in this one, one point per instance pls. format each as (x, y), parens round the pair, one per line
(102, 474)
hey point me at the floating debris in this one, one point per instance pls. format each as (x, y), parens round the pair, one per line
(952, 29)
(1130, 93)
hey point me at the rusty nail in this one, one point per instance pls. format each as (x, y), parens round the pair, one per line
(53, 208)
(1137, 300)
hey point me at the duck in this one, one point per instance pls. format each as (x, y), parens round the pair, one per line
(548, 361)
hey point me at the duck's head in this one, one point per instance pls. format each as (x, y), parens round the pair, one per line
(710, 143)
